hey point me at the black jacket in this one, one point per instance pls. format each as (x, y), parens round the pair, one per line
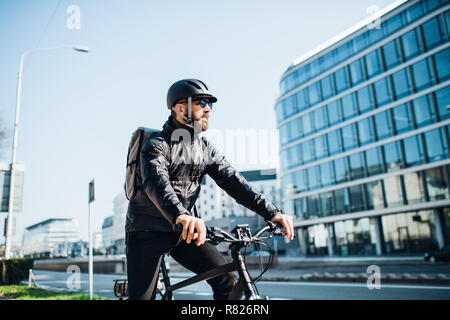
(171, 173)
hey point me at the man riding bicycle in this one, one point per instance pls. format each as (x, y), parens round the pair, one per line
(172, 165)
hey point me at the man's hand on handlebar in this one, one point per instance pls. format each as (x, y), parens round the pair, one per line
(287, 223)
(193, 229)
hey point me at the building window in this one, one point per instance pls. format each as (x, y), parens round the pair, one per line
(320, 118)
(308, 151)
(365, 131)
(307, 124)
(327, 203)
(288, 107)
(341, 80)
(435, 145)
(314, 93)
(327, 87)
(356, 72)
(302, 100)
(300, 208)
(313, 178)
(349, 137)
(442, 65)
(341, 170)
(334, 142)
(356, 165)
(408, 232)
(423, 77)
(342, 200)
(413, 151)
(300, 181)
(392, 156)
(423, 111)
(356, 198)
(326, 174)
(348, 106)
(414, 187)
(382, 92)
(402, 118)
(402, 83)
(374, 194)
(374, 161)
(411, 44)
(313, 206)
(447, 21)
(391, 54)
(434, 33)
(293, 156)
(442, 101)
(373, 63)
(365, 100)
(414, 12)
(383, 126)
(334, 112)
(279, 112)
(320, 147)
(437, 184)
(393, 191)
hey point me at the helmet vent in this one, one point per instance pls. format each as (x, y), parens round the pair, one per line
(203, 84)
(194, 84)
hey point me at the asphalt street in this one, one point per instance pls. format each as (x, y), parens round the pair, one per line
(103, 286)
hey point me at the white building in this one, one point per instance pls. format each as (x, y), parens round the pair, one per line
(108, 232)
(97, 240)
(214, 203)
(44, 238)
(120, 205)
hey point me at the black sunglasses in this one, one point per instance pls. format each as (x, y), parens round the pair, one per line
(203, 103)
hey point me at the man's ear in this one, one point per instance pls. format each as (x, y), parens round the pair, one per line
(178, 108)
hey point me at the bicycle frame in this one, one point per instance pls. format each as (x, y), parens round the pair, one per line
(243, 286)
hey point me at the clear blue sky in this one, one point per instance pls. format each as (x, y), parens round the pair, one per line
(79, 110)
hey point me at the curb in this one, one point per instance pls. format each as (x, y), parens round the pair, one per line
(439, 279)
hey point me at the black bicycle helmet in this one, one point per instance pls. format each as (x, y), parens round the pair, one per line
(188, 88)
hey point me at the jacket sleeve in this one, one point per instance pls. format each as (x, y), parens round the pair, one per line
(156, 182)
(236, 185)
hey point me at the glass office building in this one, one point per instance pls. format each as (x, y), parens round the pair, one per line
(364, 126)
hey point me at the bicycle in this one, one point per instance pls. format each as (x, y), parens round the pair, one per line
(244, 287)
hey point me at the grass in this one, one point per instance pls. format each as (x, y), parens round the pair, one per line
(22, 292)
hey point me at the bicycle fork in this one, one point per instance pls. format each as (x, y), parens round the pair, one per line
(244, 277)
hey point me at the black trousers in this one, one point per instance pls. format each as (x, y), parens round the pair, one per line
(145, 250)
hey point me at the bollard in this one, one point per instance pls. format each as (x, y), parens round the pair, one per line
(31, 278)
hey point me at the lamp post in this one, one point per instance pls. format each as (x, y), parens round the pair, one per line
(9, 225)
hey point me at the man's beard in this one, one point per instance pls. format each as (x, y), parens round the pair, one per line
(200, 125)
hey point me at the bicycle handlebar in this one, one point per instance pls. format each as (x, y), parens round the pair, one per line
(217, 235)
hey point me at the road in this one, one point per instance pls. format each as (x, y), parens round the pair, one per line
(103, 286)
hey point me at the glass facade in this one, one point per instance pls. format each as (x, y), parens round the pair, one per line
(367, 125)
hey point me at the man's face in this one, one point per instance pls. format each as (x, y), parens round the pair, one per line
(199, 113)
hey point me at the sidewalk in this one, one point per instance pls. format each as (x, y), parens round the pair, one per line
(347, 269)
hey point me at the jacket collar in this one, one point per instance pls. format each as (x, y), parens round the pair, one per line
(173, 124)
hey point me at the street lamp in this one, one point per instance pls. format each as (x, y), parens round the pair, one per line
(9, 224)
